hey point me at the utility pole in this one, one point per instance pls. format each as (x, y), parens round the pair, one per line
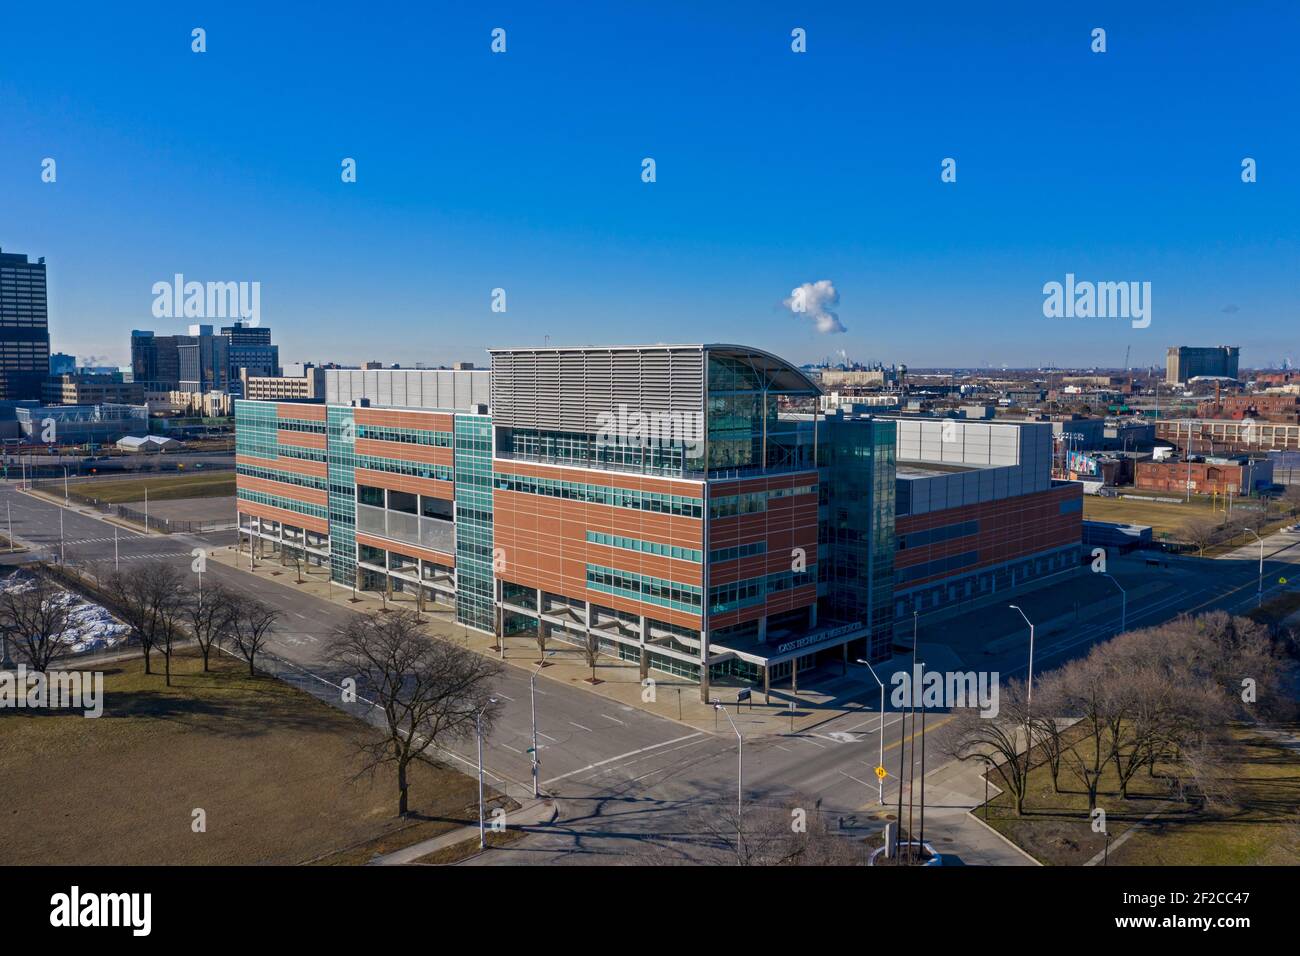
(10, 515)
(115, 561)
(911, 764)
(920, 838)
(902, 763)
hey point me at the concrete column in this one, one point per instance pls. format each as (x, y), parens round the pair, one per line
(845, 661)
(767, 684)
(794, 675)
(645, 654)
(812, 615)
(704, 666)
(762, 629)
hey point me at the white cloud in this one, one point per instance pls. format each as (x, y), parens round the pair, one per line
(814, 300)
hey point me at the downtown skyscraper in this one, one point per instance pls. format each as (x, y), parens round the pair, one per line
(24, 327)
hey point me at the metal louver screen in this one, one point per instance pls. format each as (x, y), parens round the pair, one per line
(567, 390)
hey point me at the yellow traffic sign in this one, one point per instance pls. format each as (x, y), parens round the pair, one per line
(882, 773)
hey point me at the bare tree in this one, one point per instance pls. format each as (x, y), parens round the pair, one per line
(1291, 500)
(144, 599)
(1229, 650)
(207, 612)
(35, 617)
(1084, 694)
(1047, 728)
(1201, 532)
(249, 627)
(171, 611)
(542, 635)
(1000, 738)
(429, 692)
(794, 832)
(591, 652)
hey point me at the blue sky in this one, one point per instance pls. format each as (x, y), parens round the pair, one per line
(523, 171)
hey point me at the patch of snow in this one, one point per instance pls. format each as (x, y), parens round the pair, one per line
(90, 627)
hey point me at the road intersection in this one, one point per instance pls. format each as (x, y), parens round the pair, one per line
(627, 780)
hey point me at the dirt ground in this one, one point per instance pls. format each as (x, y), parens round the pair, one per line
(270, 766)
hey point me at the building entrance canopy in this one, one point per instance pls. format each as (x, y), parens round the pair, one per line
(778, 652)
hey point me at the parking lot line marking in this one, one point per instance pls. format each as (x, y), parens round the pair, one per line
(580, 727)
(615, 719)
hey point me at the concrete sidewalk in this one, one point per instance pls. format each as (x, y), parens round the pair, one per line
(953, 793)
(530, 815)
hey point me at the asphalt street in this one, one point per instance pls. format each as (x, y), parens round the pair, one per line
(627, 780)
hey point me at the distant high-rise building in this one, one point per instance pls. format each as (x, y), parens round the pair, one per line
(61, 363)
(1183, 362)
(24, 327)
(204, 360)
(249, 347)
(155, 360)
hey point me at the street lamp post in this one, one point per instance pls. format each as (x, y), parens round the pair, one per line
(1259, 588)
(879, 779)
(532, 695)
(740, 759)
(478, 726)
(1030, 696)
(1123, 613)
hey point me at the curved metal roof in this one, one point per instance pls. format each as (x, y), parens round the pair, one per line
(783, 376)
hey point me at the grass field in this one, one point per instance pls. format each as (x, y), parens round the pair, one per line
(1162, 516)
(1166, 519)
(213, 484)
(270, 765)
(1261, 827)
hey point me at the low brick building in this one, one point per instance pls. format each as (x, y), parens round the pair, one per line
(1210, 476)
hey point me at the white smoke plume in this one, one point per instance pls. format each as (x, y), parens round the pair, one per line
(814, 300)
